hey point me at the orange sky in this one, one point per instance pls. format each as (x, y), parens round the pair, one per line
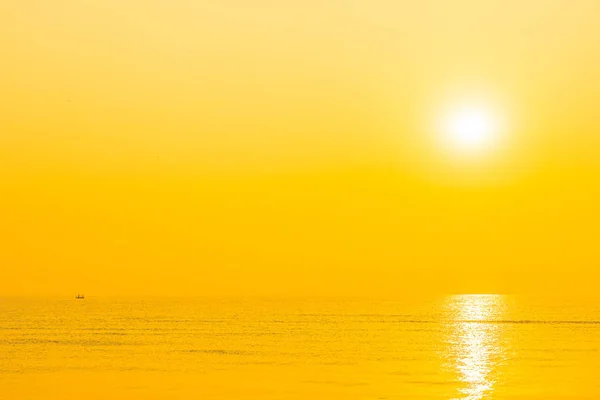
(186, 147)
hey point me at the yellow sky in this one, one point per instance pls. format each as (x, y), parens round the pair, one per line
(237, 147)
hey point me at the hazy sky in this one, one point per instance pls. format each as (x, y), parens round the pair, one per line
(271, 147)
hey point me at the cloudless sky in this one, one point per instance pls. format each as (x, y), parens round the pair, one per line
(273, 147)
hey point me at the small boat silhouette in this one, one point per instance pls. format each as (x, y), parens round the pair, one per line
(80, 297)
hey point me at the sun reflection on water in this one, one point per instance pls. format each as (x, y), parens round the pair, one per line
(475, 343)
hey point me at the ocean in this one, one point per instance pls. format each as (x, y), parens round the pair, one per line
(453, 347)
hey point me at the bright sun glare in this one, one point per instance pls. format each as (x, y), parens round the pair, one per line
(471, 130)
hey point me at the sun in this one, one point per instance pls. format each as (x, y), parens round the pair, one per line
(469, 129)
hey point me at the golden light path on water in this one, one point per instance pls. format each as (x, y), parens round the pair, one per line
(475, 343)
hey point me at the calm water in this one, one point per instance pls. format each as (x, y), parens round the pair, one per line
(459, 347)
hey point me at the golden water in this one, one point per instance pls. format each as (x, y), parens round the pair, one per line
(458, 347)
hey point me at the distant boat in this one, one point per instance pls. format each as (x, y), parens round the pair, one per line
(80, 297)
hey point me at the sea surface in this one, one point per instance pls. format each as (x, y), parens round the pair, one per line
(456, 347)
